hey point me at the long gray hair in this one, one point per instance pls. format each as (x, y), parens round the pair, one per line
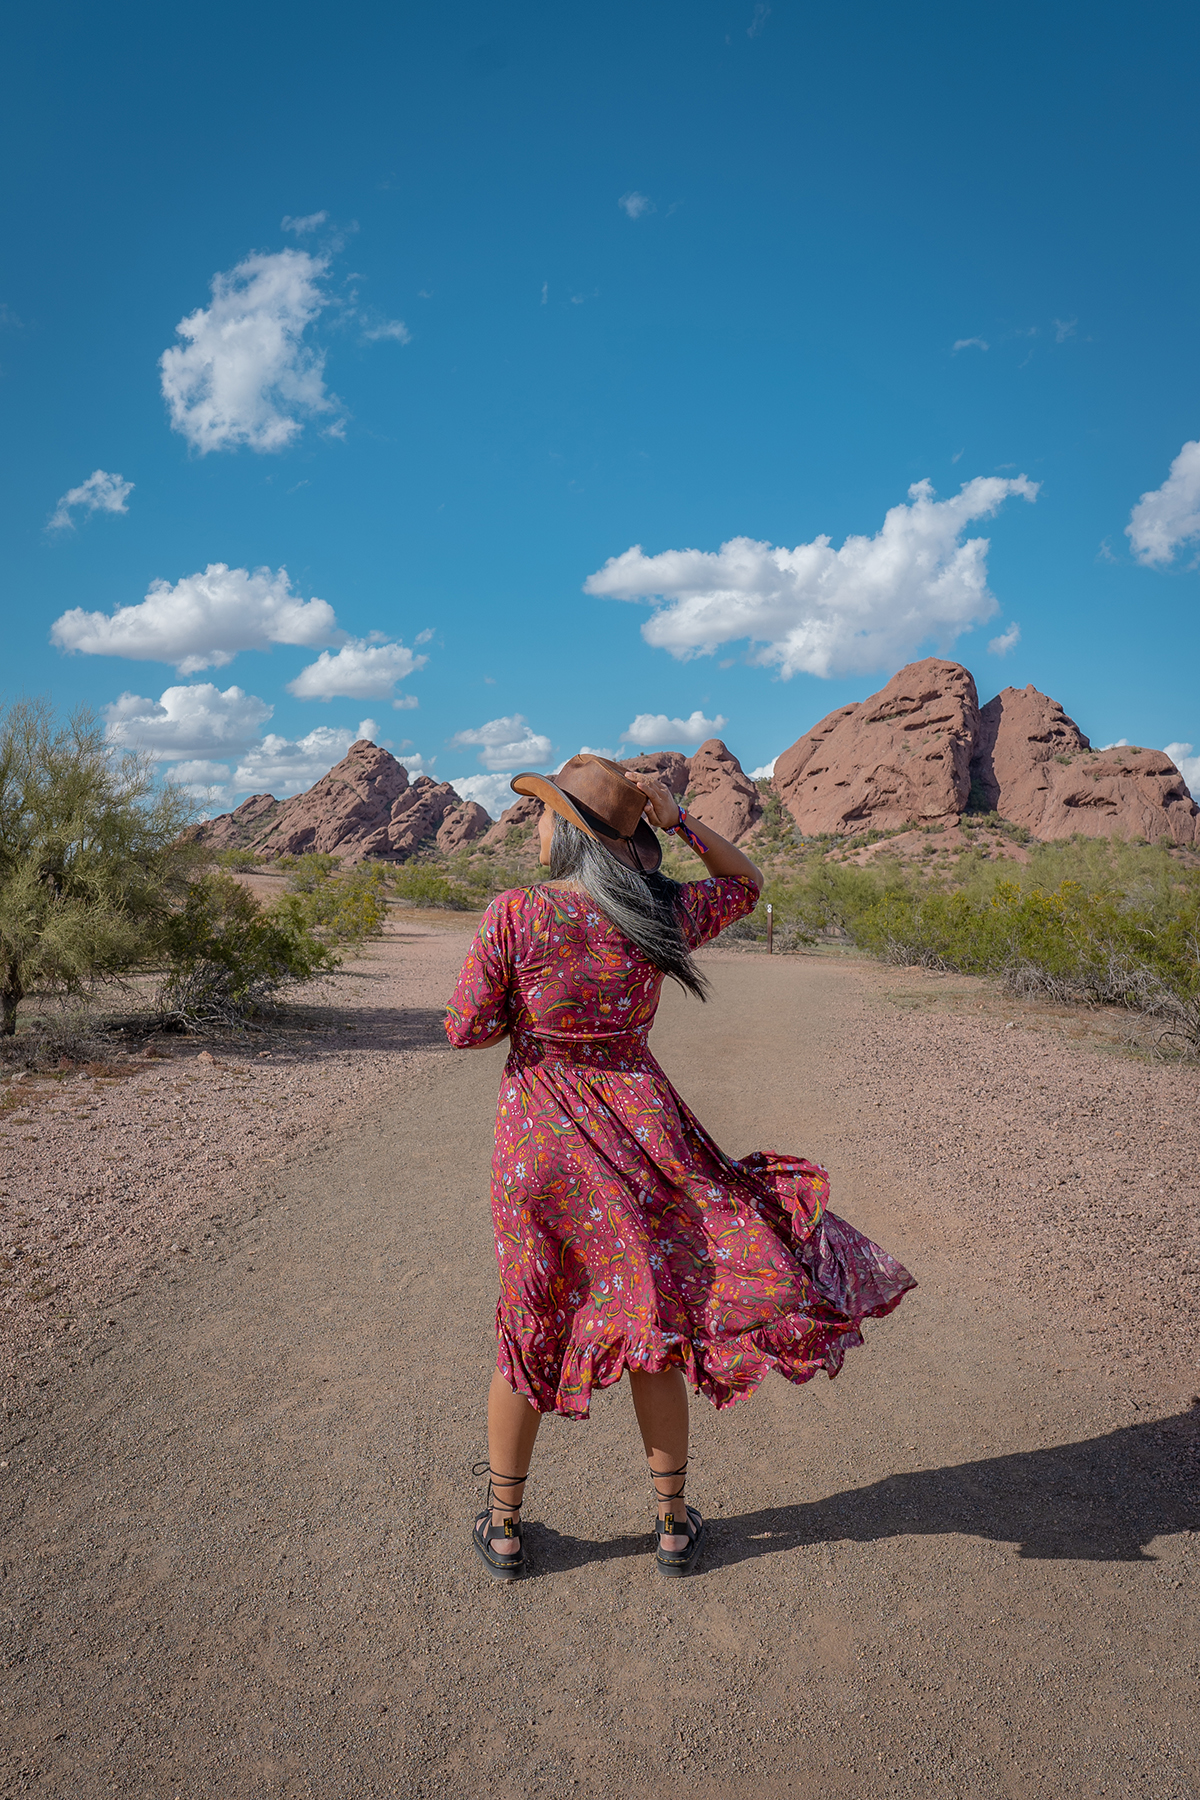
(642, 907)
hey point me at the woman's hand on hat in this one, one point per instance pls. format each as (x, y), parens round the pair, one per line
(662, 808)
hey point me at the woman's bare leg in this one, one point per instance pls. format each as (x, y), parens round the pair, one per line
(512, 1429)
(661, 1404)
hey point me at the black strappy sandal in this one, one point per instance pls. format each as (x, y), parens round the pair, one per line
(677, 1562)
(512, 1564)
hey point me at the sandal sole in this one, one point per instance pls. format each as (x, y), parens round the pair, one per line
(689, 1561)
(503, 1571)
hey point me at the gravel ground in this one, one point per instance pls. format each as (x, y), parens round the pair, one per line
(111, 1171)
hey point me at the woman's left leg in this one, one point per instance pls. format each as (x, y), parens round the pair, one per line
(512, 1430)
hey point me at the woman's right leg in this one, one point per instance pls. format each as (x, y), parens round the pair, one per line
(512, 1429)
(661, 1404)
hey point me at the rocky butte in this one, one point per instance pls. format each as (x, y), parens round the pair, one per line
(922, 751)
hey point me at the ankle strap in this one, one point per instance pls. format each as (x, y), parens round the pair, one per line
(504, 1481)
(657, 1475)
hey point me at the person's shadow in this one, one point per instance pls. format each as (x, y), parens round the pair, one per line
(1102, 1500)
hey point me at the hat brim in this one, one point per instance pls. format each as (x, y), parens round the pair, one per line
(642, 852)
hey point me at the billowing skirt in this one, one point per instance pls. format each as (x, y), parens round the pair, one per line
(627, 1239)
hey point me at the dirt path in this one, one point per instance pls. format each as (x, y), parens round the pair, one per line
(236, 1561)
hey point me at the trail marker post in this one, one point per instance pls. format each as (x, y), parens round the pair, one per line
(770, 929)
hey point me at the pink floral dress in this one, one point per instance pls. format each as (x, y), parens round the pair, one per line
(625, 1236)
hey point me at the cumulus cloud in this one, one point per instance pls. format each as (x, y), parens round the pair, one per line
(765, 772)
(492, 792)
(656, 728)
(193, 721)
(509, 744)
(636, 205)
(361, 670)
(283, 767)
(1188, 764)
(1168, 516)
(300, 227)
(101, 492)
(1008, 640)
(244, 374)
(203, 621)
(867, 606)
(975, 343)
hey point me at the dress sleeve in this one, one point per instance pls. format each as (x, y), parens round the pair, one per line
(480, 1004)
(707, 907)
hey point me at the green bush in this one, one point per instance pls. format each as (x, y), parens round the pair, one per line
(308, 872)
(91, 856)
(238, 861)
(421, 885)
(338, 905)
(228, 957)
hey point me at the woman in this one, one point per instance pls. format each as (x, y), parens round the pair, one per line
(627, 1240)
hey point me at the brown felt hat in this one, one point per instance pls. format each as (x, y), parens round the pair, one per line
(594, 794)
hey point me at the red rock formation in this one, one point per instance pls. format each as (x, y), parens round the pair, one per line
(363, 807)
(238, 830)
(1019, 731)
(527, 811)
(668, 765)
(900, 757)
(1034, 766)
(721, 794)
(462, 826)
(343, 812)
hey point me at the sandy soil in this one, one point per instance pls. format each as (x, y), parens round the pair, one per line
(235, 1509)
(110, 1171)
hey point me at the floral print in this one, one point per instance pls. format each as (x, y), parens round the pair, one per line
(625, 1236)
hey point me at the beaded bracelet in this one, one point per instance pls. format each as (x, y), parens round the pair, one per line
(686, 832)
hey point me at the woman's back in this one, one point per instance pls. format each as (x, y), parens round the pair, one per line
(557, 971)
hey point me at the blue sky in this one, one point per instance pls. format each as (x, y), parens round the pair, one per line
(483, 298)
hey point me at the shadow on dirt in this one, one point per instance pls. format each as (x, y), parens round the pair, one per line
(1102, 1500)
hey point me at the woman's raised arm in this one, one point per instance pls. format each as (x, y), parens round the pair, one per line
(664, 810)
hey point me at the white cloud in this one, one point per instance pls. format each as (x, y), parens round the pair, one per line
(387, 328)
(1168, 516)
(1187, 763)
(1008, 640)
(245, 374)
(101, 492)
(360, 670)
(591, 750)
(1063, 329)
(203, 621)
(758, 23)
(310, 222)
(282, 767)
(656, 728)
(492, 792)
(636, 205)
(867, 606)
(507, 744)
(765, 772)
(194, 721)
(976, 343)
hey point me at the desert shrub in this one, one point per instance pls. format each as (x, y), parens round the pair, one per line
(420, 885)
(307, 872)
(228, 957)
(238, 862)
(338, 905)
(1099, 946)
(90, 856)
